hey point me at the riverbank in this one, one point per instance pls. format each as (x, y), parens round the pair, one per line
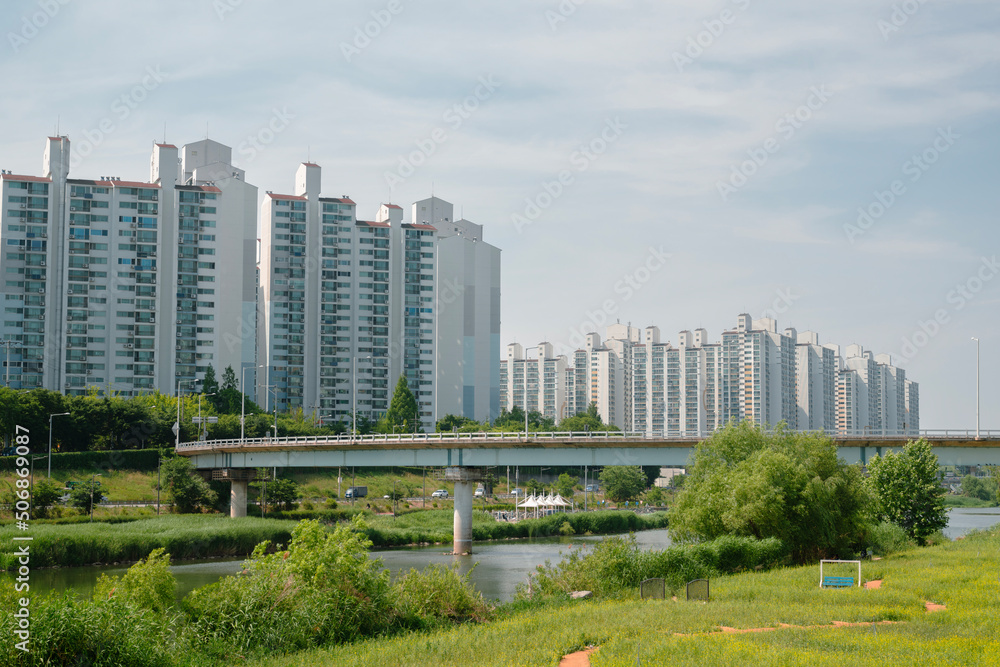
(195, 536)
(960, 575)
(183, 536)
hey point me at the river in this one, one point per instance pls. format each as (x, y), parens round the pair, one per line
(497, 567)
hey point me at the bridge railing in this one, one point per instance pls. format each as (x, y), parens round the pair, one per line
(553, 436)
(382, 438)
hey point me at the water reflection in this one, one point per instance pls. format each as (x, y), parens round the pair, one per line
(497, 567)
(962, 520)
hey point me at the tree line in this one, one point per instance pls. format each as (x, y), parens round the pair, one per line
(104, 420)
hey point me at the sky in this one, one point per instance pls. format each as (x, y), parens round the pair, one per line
(831, 165)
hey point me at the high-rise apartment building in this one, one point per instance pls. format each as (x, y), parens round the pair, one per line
(134, 285)
(643, 384)
(126, 285)
(816, 369)
(351, 305)
(545, 385)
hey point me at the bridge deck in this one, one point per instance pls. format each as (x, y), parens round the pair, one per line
(493, 449)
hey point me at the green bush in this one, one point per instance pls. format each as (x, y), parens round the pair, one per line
(887, 538)
(749, 481)
(67, 630)
(148, 584)
(436, 595)
(124, 459)
(323, 589)
(616, 566)
(187, 536)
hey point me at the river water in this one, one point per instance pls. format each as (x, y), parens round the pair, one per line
(497, 567)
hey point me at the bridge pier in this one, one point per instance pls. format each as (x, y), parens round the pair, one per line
(238, 499)
(464, 479)
(239, 479)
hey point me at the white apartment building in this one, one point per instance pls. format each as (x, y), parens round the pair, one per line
(816, 369)
(467, 306)
(351, 305)
(546, 386)
(134, 286)
(122, 285)
(640, 383)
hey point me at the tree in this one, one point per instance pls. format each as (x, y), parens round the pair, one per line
(86, 494)
(209, 385)
(44, 495)
(622, 483)
(512, 420)
(750, 482)
(402, 415)
(586, 421)
(655, 497)
(490, 481)
(975, 487)
(283, 494)
(449, 423)
(906, 490)
(565, 484)
(188, 491)
(533, 486)
(229, 379)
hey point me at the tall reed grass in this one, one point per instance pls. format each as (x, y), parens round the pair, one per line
(183, 536)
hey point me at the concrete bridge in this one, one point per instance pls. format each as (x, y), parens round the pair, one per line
(465, 455)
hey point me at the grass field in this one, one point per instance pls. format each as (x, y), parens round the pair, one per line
(436, 526)
(966, 501)
(963, 575)
(184, 536)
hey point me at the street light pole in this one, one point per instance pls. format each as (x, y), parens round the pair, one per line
(977, 386)
(177, 436)
(58, 414)
(274, 388)
(201, 425)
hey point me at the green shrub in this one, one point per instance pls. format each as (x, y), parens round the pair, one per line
(187, 536)
(616, 566)
(323, 589)
(887, 538)
(121, 459)
(148, 584)
(67, 630)
(437, 594)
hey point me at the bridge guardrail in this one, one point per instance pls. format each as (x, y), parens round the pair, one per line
(561, 436)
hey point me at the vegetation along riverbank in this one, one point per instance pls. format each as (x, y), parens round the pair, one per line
(212, 535)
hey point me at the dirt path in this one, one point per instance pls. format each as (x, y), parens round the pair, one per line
(582, 658)
(578, 659)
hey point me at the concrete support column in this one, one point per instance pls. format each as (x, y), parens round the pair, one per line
(238, 499)
(463, 518)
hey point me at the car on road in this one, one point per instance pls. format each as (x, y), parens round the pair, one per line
(592, 488)
(480, 492)
(440, 493)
